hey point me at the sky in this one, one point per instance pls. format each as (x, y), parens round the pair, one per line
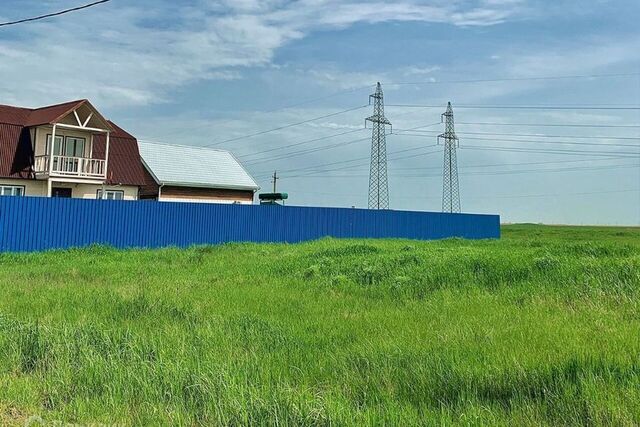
(237, 74)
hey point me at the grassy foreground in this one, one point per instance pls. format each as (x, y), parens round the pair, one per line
(539, 328)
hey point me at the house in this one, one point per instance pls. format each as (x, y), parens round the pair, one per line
(178, 173)
(67, 150)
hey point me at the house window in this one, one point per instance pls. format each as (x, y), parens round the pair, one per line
(111, 195)
(11, 190)
(74, 147)
(57, 146)
(70, 146)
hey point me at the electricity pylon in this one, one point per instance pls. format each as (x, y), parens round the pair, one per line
(378, 183)
(450, 187)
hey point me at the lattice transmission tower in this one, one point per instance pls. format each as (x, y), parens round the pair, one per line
(378, 183)
(450, 187)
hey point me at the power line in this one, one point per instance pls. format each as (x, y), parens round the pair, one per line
(351, 90)
(352, 167)
(303, 152)
(514, 79)
(552, 151)
(557, 142)
(490, 196)
(538, 135)
(321, 139)
(526, 107)
(411, 156)
(505, 164)
(567, 194)
(571, 169)
(607, 155)
(301, 143)
(285, 126)
(394, 152)
(503, 172)
(545, 170)
(529, 141)
(49, 15)
(578, 125)
(284, 107)
(310, 168)
(514, 164)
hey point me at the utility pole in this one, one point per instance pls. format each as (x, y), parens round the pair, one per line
(378, 183)
(274, 180)
(450, 187)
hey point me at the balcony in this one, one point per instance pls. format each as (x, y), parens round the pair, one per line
(71, 167)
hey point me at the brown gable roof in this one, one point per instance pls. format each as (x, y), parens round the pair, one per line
(43, 115)
(51, 113)
(16, 152)
(14, 115)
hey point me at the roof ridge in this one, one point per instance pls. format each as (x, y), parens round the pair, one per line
(59, 104)
(44, 106)
(146, 141)
(19, 108)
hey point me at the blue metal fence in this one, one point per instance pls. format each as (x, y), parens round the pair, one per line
(34, 223)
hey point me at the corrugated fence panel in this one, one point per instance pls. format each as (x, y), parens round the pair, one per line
(37, 223)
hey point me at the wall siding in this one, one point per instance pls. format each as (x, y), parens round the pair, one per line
(35, 224)
(213, 195)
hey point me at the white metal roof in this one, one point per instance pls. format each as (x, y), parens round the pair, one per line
(189, 166)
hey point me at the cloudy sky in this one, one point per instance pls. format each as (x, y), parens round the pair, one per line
(221, 73)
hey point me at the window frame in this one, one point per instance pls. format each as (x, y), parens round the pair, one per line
(48, 146)
(114, 192)
(13, 188)
(76, 138)
(64, 139)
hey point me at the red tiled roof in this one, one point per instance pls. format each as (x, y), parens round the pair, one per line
(16, 152)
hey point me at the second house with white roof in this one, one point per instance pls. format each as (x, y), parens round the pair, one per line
(179, 173)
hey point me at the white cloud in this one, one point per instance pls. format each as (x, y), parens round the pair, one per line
(420, 71)
(131, 55)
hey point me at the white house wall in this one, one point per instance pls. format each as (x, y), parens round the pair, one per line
(78, 191)
(31, 187)
(90, 191)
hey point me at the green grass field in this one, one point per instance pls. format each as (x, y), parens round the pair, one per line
(539, 328)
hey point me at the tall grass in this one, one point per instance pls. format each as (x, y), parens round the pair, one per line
(539, 328)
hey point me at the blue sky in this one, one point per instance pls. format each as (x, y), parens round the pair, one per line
(202, 72)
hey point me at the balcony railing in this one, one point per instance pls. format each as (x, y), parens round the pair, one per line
(70, 166)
